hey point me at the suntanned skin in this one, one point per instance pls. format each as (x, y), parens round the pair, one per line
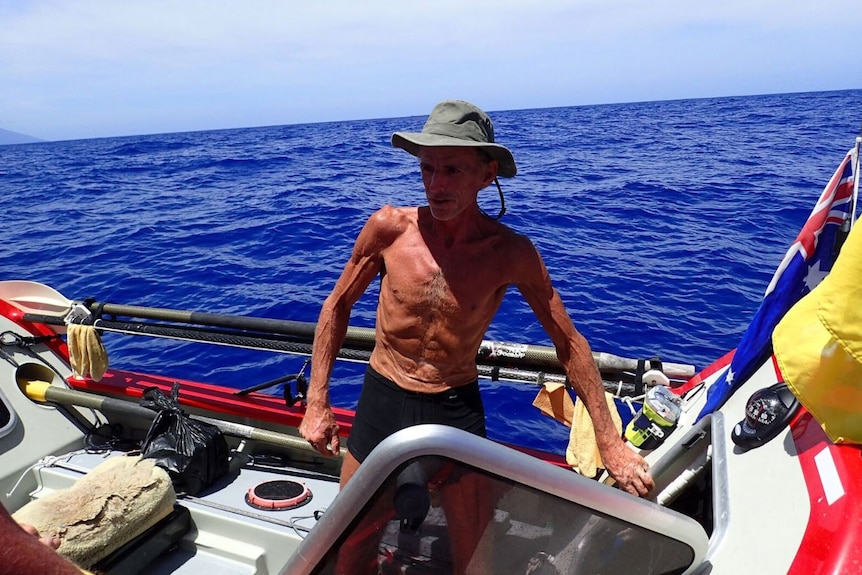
(24, 552)
(444, 270)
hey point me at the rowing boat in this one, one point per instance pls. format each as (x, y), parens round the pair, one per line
(429, 499)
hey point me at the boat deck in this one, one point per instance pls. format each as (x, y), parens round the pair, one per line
(227, 534)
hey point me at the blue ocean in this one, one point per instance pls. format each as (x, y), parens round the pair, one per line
(661, 224)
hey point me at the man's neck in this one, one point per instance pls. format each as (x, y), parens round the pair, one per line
(466, 226)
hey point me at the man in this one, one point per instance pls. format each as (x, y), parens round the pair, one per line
(23, 551)
(444, 269)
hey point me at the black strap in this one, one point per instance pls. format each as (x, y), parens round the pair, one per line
(654, 363)
(10, 338)
(639, 377)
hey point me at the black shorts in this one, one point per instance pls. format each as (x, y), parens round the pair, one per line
(385, 408)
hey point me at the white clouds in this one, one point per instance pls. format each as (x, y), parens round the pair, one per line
(106, 67)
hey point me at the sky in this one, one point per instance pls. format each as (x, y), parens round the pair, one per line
(102, 68)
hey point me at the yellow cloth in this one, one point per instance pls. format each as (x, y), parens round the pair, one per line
(554, 401)
(583, 452)
(111, 505)
(86, 352)
(818, 345)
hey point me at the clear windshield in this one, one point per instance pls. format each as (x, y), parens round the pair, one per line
(439, 516)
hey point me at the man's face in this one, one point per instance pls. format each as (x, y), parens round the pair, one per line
(453, 177)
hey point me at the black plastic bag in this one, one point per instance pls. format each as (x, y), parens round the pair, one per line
(193, 453)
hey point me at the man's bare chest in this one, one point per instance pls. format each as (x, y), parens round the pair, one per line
(447, 283)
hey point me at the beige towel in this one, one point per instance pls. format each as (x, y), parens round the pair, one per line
(583, 452)
(554, 401)
(86, 352)
(108, 507)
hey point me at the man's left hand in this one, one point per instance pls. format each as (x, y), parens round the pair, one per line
(629, 470)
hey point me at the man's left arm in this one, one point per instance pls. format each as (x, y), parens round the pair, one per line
(627, 468)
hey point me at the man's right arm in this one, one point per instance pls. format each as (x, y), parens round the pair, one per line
(23, 552)
(318, 425)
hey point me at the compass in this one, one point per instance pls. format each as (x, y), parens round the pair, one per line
(762, 409)
(767, 412)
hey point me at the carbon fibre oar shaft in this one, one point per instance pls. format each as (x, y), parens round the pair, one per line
(357, 338)
(44, 392)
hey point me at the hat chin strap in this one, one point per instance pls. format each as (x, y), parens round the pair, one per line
(502, 202)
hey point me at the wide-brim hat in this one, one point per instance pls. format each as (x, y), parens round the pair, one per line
(818, 345)
(458, 123)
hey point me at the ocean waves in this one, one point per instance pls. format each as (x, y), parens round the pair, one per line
(661, 224)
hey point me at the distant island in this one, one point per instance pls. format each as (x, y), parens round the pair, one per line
(7, 137)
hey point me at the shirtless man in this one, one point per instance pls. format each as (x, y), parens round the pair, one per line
(444, 269)
(24, 552)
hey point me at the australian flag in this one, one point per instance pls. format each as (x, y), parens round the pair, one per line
(805, 264)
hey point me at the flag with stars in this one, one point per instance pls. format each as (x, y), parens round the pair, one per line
(805, 264)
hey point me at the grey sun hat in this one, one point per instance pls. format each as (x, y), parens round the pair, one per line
(458, 123)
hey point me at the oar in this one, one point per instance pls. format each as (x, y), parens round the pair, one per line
(34, 297)
(44, 392)
(364, 338)
(357, 338)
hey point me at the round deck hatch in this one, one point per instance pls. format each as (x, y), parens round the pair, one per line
(278, 494)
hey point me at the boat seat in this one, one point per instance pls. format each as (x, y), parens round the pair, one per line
(134, 556)
(117, 502)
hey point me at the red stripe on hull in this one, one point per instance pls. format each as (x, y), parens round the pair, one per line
(208, 397)
(830, 545)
